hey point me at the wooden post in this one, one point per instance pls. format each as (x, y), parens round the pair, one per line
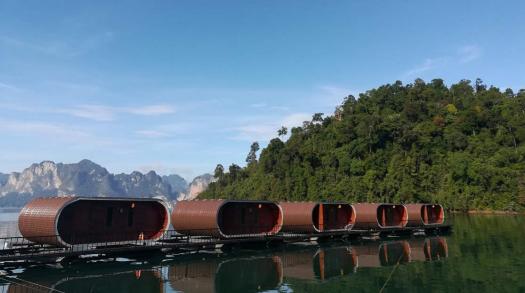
(321, 264)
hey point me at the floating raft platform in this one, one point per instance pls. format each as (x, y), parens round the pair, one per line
(16, 250)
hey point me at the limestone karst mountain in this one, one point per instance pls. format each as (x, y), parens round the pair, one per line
(87, 178)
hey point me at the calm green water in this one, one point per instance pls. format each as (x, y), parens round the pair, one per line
(483, 254)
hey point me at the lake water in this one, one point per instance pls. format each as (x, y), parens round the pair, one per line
(484, 253)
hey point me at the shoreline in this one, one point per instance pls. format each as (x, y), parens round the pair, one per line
(486, 212)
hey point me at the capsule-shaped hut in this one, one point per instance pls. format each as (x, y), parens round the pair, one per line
(420, 214)
(312, 217)
(227, 218)
(66, 221)
(375, 215)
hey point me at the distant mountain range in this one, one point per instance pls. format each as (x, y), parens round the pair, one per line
(86, 178)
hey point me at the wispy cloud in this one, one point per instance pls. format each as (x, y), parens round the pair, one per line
(107, 113)
(9, 87)
(258, 105)
(295, 119)
(60, 48)
(427, 65)
(92, 112)
(264, 131)
(469, 53)
(171, 130)
(464, 54)
(101, 113)
(150, 110)
(48, 130)
(152, 133)
(332, 95)
(337, 91)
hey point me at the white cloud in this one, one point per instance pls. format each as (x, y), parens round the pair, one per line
(49, 130)
(92, 112)
(265, 131)
(150, 110)
(295, 119)
(9, 87)
(259, 105)
(336, 91)
(464, 54)
(107, 113)
(427, 65)
(469, 53)
(256, 132)
(152, 133)
(60, 48)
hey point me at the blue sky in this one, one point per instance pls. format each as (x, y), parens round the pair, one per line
(179, 86)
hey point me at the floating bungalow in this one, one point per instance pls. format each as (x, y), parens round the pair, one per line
(314, 217)
(379, 215)
(420, 214)
(227, 218)
(66, 221)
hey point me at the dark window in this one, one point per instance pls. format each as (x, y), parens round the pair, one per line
(130, 217)
(90, 214)
(243, 216)
(256, 217)
(109, 217)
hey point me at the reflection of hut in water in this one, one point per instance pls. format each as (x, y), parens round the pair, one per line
(436, 248)
(428, 249)
(316, 217)
(298, 263)
(193, 277)
(425, 214)
(318, 263)
(92, 277)
(334, 261)
(76, 220)
(248, 275)
(226, 218)
(234, 275)
(382, 254)
(372, 215)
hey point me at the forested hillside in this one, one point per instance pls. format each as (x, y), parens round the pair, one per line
(462, 146)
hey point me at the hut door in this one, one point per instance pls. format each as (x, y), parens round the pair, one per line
(425, 214)
(385, 216)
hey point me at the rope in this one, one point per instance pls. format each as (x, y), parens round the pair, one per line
(20, 284)
(34, 284)
(391, 274)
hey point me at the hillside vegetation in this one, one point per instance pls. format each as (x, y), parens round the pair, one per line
(462, 146)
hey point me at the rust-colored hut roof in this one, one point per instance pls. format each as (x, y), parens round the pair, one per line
(37, 219)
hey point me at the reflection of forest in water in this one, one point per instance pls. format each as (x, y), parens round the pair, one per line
(205, 272)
